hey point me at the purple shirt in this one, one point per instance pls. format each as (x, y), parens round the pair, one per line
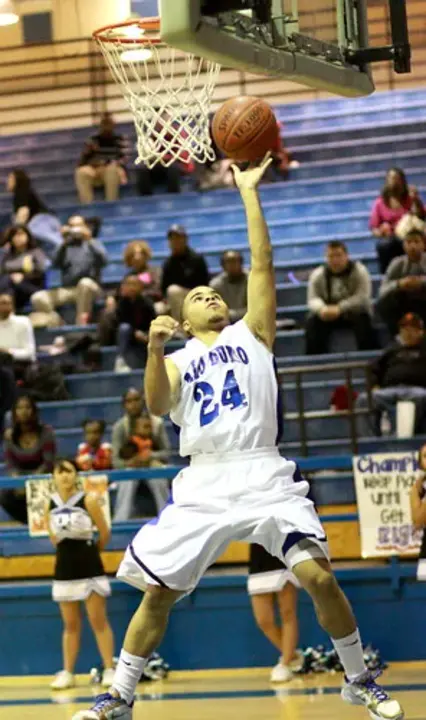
(382, 213)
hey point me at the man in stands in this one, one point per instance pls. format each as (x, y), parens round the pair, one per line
(135, 312)
(403, 288)
(400, 374)
(102, 163)
(183, 270)
(17, 343)
(80, 260)
(339, 295)
(231, 284)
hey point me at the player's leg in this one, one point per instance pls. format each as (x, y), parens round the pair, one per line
(97, 616)
(336, 617)
(71, 618)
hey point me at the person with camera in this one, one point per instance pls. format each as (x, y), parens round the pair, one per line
(80, 260)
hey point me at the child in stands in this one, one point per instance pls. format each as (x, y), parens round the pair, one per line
(141, 444)
(93, 454)
(73, 517)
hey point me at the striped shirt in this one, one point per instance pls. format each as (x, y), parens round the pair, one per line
(40, 457)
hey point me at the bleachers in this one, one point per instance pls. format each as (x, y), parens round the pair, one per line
(344, 147)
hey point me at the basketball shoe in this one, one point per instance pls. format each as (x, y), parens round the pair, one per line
(365, 691)
(107, 707)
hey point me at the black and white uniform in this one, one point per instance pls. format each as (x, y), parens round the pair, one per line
(267, 574)
(421, 565)
(78, 570)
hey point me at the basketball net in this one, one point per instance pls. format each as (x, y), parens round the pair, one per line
(168, 92)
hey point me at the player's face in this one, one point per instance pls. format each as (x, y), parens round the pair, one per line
(203, 310)
(65, 476)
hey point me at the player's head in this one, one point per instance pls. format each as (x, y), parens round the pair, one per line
(65, 474)
(422, 458)
(337, 256)
(93, 431)
(203, 310)
(232, 263)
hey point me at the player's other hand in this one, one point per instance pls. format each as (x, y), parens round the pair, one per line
(161, 330)
(249, 179)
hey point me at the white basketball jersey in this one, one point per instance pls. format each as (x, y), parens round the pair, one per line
(229, 394)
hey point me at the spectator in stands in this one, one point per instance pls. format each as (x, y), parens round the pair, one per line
(413, 220)
(30, 210)
(183, 270)
(403, 288)
(22, 266)
(29, 449)
(395, 201)
(137, 255)
(400, 374)
(102, 163)
(339, 295)
(231, 284)
(135, 312)
(122, 431)
(93, 454)
(17, 342)
(7, 393)
(80, 260)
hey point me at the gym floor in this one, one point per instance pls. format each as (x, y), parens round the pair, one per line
(224, 694)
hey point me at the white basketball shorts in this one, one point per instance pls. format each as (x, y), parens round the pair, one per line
(253, 496)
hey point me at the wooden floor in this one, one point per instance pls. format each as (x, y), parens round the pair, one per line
(218, 695)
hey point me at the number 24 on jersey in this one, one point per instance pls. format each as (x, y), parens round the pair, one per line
(231, 395)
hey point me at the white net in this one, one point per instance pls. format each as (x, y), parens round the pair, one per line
(168, 92)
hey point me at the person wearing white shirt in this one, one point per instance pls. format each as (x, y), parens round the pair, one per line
(16, 333)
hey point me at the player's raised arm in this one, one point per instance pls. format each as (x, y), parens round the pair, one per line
(261, 305)
(162, 378)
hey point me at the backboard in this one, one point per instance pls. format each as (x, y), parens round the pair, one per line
(319, 43)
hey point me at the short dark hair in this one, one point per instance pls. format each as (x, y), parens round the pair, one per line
(101, 423)
(61, 461)
(228, 252)
(337, 245)
(131, 390)
(415, 232)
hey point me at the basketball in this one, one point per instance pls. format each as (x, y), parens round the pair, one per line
(245, 128)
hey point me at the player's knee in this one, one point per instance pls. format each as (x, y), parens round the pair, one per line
(321, 583)
(158, 600)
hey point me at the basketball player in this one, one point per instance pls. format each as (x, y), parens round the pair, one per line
(221, 392)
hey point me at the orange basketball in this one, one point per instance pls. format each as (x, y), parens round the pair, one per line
(245, 128)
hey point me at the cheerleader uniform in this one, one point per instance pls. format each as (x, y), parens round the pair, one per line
(78, 570)
(267, 574)
(421, 565)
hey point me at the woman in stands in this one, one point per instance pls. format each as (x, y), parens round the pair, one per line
(418, 510)
(29, 449)
(271, 583)
(79, 573)
(30, 210)
(137, 256)
(395, 200)
(23, 265)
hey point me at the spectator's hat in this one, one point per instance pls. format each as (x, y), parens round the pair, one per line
(176, 230)
(413, 320)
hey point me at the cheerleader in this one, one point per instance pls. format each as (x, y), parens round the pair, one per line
(79, 574)
(270, 581)
(418, 510)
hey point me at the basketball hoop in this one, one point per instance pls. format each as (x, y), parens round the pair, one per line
(168, 92)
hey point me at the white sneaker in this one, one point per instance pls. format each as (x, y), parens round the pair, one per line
(365, 691)
(108, 677)
(298, 661)
(120, 365)
(63, 680)
(106, 707)
(281, 674)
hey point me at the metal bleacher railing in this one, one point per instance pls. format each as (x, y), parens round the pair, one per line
(65, 83)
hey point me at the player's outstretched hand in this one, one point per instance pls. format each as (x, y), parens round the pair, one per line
(161, 330)
(249, 179)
